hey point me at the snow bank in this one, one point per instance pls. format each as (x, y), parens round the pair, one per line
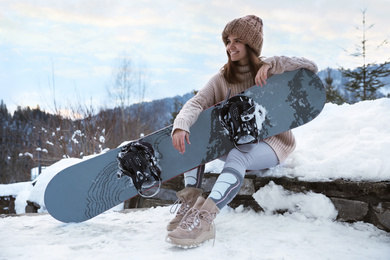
(273, 198)
(351, 142)
(14, 189)
(21, 192)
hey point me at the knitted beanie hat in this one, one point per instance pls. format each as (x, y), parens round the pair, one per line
(249, 29)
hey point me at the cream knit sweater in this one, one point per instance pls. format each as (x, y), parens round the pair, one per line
(216, 90)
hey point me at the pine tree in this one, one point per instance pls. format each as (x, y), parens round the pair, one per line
(365, 81)
(332, 94)
(178, 106)
(3, 111)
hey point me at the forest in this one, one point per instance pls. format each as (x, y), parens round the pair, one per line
(32, 138)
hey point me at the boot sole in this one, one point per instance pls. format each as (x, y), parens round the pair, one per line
(190, 243)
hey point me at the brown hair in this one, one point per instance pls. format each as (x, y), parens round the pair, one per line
(229, 70)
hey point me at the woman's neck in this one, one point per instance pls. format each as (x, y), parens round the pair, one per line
(241, 69)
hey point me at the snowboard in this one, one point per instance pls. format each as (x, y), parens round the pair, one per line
(87, 189)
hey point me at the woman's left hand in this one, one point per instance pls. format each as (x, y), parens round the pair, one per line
(262, 75)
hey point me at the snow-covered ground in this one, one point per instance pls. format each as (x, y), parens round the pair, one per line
(304, 232)
(348, 141)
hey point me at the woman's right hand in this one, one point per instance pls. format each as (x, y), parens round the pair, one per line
(262, 75)
(179, 137)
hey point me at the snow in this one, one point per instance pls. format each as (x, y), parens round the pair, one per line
(304, 232)
(76, 133)
(13, 189)
(27, 154)
(351, 142)
(41, 150)
(309, 205)
(348, 141)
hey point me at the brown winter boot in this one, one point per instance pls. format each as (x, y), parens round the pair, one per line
(197, 226)
(187, 197)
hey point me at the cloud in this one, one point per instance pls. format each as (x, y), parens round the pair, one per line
(179, 41)
(81, 14)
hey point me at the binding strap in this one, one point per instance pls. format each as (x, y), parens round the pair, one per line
(137, 161)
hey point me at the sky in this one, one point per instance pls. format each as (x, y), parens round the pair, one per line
(56, 54)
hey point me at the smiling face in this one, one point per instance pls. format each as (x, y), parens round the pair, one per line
(237, 50)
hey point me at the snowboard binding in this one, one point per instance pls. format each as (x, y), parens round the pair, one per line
(241, 119)
(138, 161)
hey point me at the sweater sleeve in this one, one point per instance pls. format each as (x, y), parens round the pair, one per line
(280, 64)
(189, 113)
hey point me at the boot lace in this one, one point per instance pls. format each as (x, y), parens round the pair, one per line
(182, 205)
(192, 220)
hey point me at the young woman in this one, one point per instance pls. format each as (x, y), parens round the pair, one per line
(243, 38)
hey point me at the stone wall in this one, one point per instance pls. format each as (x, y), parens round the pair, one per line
(7, 205)
(355, 201)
